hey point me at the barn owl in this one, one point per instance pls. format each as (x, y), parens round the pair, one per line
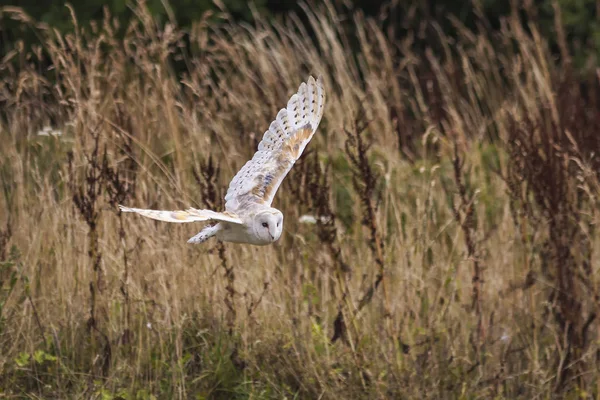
(248, 216)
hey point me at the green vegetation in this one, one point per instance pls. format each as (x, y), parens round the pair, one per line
(456, 174)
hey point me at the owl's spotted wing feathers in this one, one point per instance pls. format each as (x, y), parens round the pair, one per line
(282, 144)
(189, 215)
(252, 189)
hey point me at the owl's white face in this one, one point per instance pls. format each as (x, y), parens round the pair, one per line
(268, 225)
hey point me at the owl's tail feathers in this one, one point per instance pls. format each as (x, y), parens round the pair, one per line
(205, 234)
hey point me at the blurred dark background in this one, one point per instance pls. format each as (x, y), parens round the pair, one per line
(579, 17)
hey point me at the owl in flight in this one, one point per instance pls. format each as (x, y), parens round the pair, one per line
(248, 216)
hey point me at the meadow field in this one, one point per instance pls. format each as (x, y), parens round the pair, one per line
(453, 182)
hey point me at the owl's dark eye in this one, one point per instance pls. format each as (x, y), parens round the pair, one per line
(265, 225)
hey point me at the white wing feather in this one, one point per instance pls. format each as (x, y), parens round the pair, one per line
(189, 215)
(282, 144)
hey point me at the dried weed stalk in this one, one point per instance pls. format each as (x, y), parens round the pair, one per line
(120, 185)
(251, 303)
(318, 196)
(465, 216)
(207, 177)
(5, 235)
(102, 181)
(8, 191)
(86, 195)
(547, 151)
(364, 180)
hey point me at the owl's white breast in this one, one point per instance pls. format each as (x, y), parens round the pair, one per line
(235, 233)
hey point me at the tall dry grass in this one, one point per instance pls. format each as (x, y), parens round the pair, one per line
(459, 186)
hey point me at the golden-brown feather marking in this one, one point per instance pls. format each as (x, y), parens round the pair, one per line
(181, 215)
(290, 152)
(282, 144)
(294, 143)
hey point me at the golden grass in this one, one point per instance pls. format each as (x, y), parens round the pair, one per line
(162, 308)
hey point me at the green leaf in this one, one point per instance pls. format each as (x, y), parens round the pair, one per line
(22, 360)
(106, 395)
(123, 394)
(38, 356)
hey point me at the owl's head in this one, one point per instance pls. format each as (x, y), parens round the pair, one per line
(268, 225)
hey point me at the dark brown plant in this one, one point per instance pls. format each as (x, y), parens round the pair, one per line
(364, 180)
(547, 151)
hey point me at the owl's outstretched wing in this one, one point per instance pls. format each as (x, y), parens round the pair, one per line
(189, 215)
(282, 144)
